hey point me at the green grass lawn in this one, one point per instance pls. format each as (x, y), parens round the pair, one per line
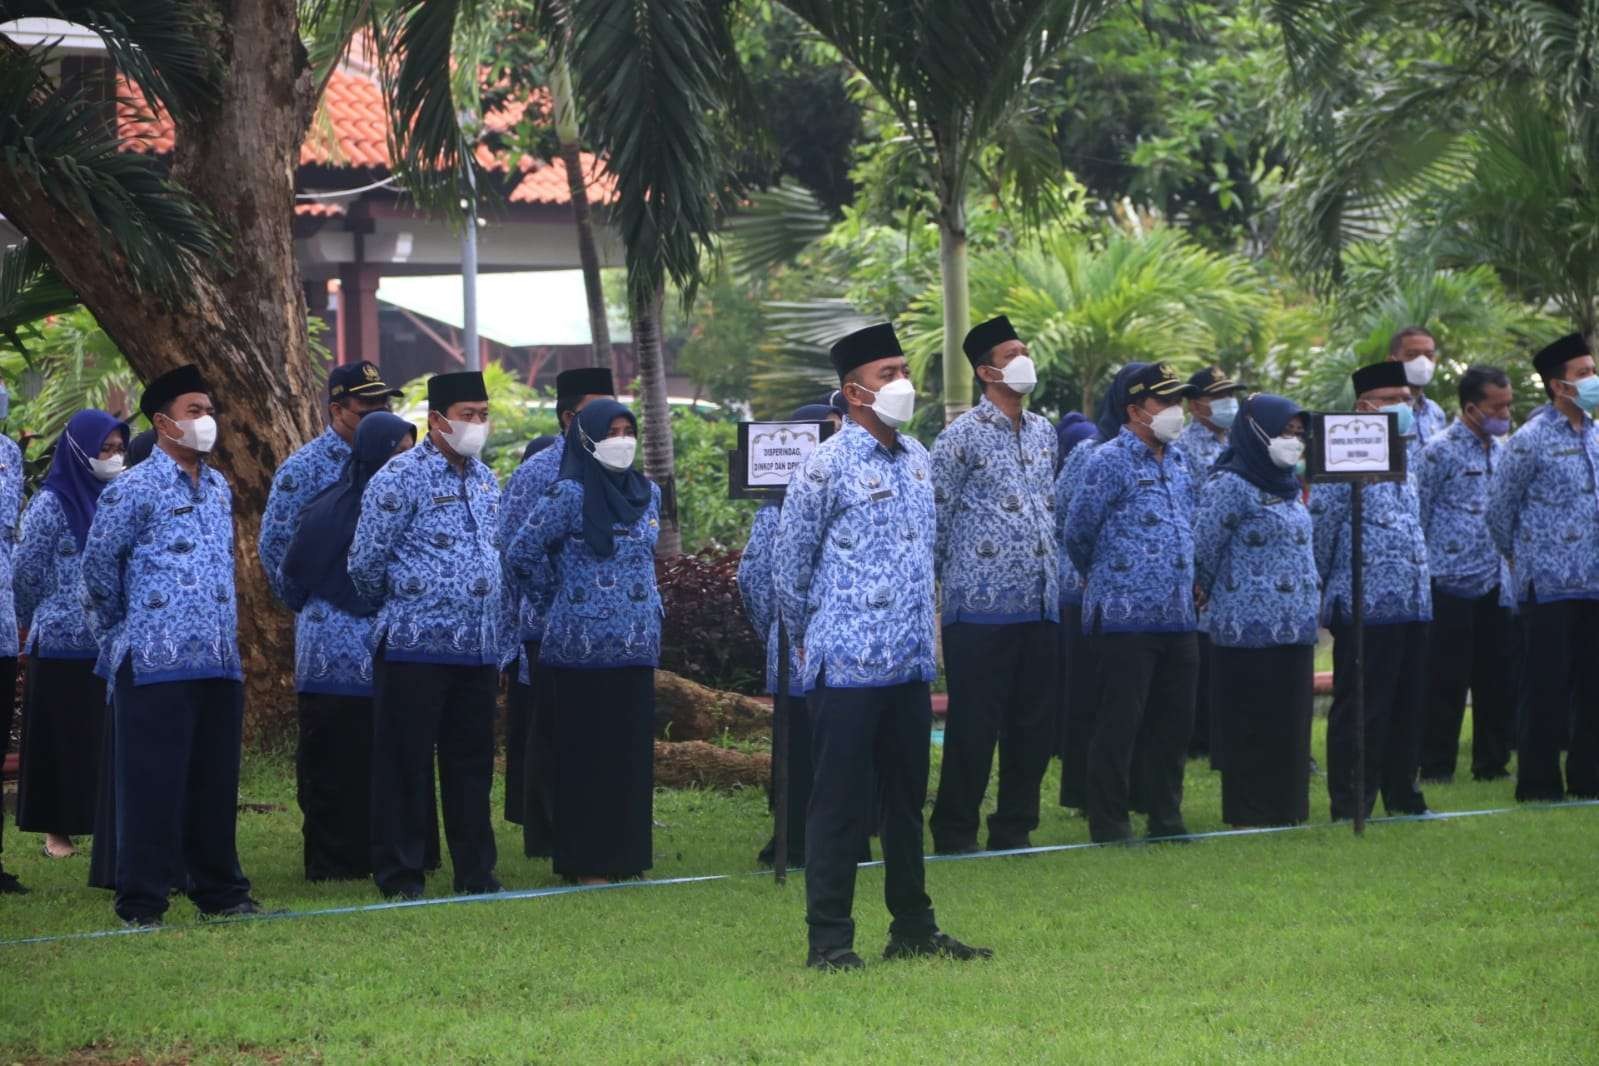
(1470, 940)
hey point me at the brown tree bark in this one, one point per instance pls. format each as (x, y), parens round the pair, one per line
(687, 710)
(242, 323)
(696, 764)
(660, 461)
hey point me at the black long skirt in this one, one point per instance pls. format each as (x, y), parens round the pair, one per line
(63, 722)
(604, 770)
(1261, 700)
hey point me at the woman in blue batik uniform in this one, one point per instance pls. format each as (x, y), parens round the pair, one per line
(333, 660)
(598, 525)
(64, 705)
(1256, 562)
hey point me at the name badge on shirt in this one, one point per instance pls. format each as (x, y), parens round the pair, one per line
(1471, 473)
(881, 494)
(183, 510)
(1570, 451)
(441, 500)
(1145, 482)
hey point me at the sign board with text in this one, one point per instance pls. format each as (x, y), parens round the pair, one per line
(1355, 445)
(767, 455)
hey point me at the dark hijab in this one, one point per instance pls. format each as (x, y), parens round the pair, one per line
(536, 445)
(315, 562)
(1073, 429)
(1113, 411)
(71, 478)
(610, 498)
(1261, 418)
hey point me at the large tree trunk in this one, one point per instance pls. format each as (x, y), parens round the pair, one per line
(660, 462)
(957, 310)
(687, 710)
(245, 326)
(566, 132)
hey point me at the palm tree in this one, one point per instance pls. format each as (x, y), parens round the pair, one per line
(956, 76)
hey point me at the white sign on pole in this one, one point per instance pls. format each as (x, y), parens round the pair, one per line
(1357, 444)
(776, 449)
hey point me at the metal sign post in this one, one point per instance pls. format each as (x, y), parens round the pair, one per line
(1358, 448)
(760, 467)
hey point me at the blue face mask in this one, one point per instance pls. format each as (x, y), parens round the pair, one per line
(1223, 411)
(1407, 417)
(1588, 393)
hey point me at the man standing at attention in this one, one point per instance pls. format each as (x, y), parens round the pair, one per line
(1543, 511)
(424, 551)
(1416, 349)
(994, 557)
(158, 577)
(854, 582)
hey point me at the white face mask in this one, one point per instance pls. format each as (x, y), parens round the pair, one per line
(894, 403)
(106, 469)
(1286, 451)
(1418, 371)
(1167, 426)
(616, 453)
(466, 438)
(200, 434)
(1020, 375)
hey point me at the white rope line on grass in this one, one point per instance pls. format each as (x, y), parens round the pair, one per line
(565, 890)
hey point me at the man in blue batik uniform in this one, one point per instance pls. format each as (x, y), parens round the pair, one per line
(1398, 606)
(1213, 406)
(10, 505)
(854, 581)
(1416, 350)
(1470, 645)
(527, 736)
(332, 663)
(994, 557)
(1543, 512)
(1130, 532)
(158, 583)
(425, 552)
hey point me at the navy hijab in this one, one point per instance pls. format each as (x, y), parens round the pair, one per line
(1073, 429)
(315, 562)
(71, 478)
(1113, 411)
(1261, 418)
(610, 499)
(536, 445)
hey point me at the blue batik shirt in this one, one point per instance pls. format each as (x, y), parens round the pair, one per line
(993, 488)
(854, 562)
(1254, 557)
(756, 587)
(158, 574)
(425, 550)
(332, 649)
(1452, 489)
(10, 507)
(1397, 585)
(1431, 423)
(49, 584)
(1130, 530)
(1066, 483)
(605, 612)
(527, 486)
(1199, 443)
(1543, 509)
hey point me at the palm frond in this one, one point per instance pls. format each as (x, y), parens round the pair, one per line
(54, 143)
(777, 225)
(30, 289)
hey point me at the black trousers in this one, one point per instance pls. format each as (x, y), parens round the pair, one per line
(333, 779)
(1079, 687)
(801, 769)
(420, 707)
(1396, 695)
(8, 706)
(537, 764)
(518, 708)
(63, 720)
(854, 732)
(1560, 700)
(177, 747)
(1143, 720)
(1001, 690)
(1199, 744)
(1469, 646)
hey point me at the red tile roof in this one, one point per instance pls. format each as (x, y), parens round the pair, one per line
(350, 130)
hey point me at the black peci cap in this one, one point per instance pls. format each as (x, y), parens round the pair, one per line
(1551, 360)
(1384, 375)
(169, 386)
(584, 381)
(985, 337)
(865, 346)
(463, 386)
(1213, 381)
(1156, 379)
(358, 379)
